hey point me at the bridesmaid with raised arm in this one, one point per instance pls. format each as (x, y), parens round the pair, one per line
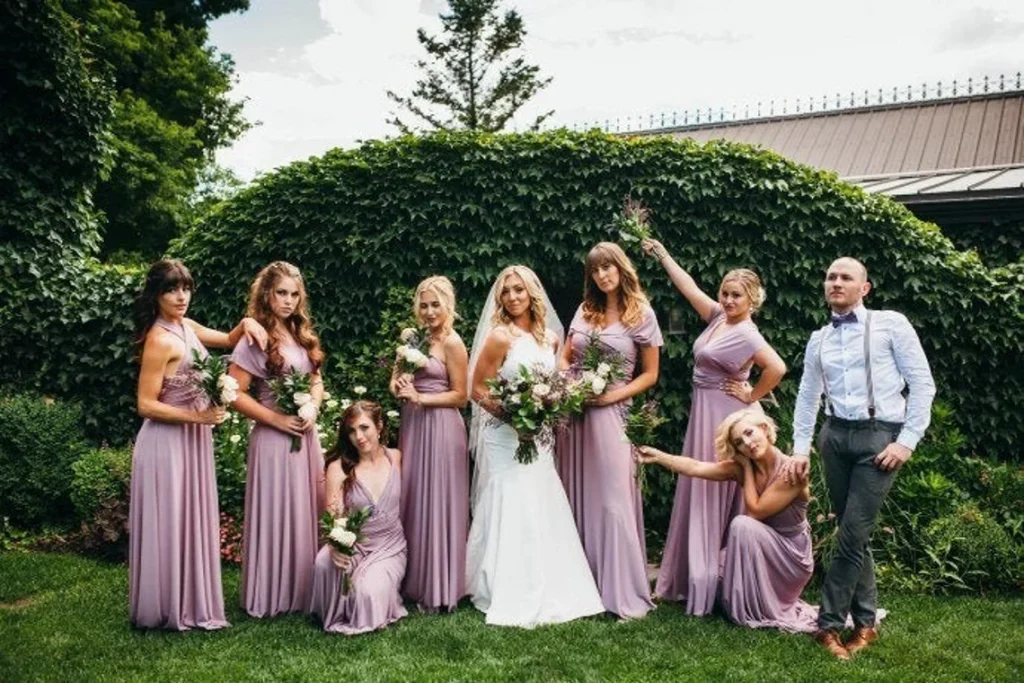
(594, 461)
(768, 555)
(362, 472)
(723, 356)
(283, 488)
(435, 475)
(174, 540)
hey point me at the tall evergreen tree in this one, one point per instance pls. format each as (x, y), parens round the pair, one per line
(473, 78)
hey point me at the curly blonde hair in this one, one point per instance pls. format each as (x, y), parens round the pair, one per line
(442, 288)
(538, 311)
(631, 298)
(298, 323)
(724, 446)
(750, 283)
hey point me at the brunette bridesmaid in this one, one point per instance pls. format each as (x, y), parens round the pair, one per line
(768, 556)
(362, 472)
(174, 557)
(594, 460)
(723, 355)
(283, 488)
(435, 474)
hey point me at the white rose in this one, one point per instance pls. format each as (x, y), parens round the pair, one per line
(341, 522)
(359, 390)
(301, 398)
(514, 399)
(332, 404)
(343, 536)
(308, 411)
(402, 352)
(416, 357)
(408, 334)
(598, 384)
(228, 395)
(393, 414)
(603, 369)
(541, 390)
(234, 438)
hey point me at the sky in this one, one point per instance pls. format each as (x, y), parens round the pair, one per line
(314, 73)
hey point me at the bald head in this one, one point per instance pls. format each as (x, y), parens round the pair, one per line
(846, 284)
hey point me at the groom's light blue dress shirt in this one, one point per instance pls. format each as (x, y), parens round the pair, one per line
(897, 359)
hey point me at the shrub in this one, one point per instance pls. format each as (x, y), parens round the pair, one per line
(40, 438)
(982, 552)
(101, 475)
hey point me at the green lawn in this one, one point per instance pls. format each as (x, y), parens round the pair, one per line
(64, 617)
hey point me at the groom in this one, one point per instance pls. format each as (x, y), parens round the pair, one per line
(864, 363)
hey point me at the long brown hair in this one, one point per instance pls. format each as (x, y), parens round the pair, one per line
(298, 323)
(344, 450)
(164, 276)
(631, 298)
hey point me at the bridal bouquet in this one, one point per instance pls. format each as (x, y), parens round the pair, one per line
(212, 378)
(633, 223)
(292, 394)
(533, 403)
(641, 422)
(411, 354)
(600, 365)
(343, 534)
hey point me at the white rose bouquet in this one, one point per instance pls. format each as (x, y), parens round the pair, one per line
(344, 533)
(533, 403)
(211, 378)
(600, 365)
(292, 394)
(411, 354)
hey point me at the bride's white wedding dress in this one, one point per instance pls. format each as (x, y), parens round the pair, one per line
(525, 565)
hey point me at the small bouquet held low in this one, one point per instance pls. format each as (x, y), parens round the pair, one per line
(641, 424)
(344, 533)
(212, 378)
(411, 354)
(293, 395)
(533, 403)
(600, 365)
(633, 223)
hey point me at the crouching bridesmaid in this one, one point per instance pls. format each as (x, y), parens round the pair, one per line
(174, 540)
(767, 559)
(361, 472)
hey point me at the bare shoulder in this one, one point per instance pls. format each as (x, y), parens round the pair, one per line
(552, 338)
(499, 337)
(453, 343)
(163, 343)
(397, 455)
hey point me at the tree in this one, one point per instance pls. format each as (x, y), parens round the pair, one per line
(460, 77)
(172, 111)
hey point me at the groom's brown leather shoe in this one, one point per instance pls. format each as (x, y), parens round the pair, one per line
(831, 642)
(861, 638)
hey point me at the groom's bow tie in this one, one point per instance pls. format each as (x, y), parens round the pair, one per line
(838, 320)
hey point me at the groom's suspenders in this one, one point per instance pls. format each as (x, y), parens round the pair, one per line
(867, 367)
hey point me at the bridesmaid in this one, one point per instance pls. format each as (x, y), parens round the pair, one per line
(768, 554)
(174, 558)
(594, 462)
(283, 492)
(362, 472)
(435, 478)
(723, 356)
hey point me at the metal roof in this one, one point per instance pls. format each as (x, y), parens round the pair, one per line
(978, 131)
(925, 186)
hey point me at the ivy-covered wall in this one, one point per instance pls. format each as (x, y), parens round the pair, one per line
(362, 221)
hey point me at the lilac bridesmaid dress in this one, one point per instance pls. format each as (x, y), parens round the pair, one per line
(376, 570)
(283, 500)
(702, 509)
(766, 565)
(597, 469)
(435, 496)
(174, 557)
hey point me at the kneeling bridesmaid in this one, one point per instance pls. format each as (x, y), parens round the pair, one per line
(362, 472)
(174, 541)
(767, 559)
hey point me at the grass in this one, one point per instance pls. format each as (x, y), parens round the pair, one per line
(64, 617)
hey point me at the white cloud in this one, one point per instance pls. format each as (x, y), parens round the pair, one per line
(617, 58)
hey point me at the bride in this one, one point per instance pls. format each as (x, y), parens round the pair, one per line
(525, 565)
